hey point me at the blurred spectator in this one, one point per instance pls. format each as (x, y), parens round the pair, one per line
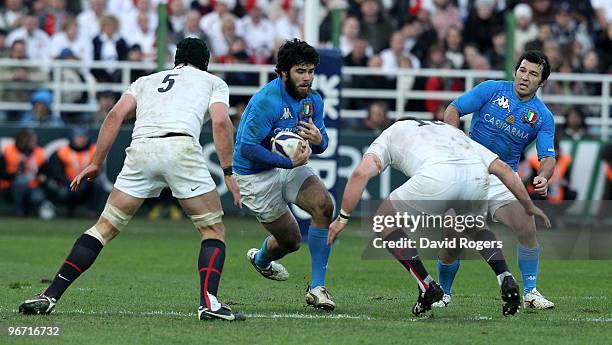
(135, 55)
(37, 41)
(10, 14)
(89, 20)
(64, 165)
(106, 101)
(553, 52)
(177, 15)
(69, 38)
(544, 35)
(53, 18)
(213, 24)
(374, 25)
(471, 52)
(143, 36)
(497, 54)
(29, 79)
(604, 49)
(454, 47)
(257, 31)
(20, 166)
(290, 23)
(4, 51)
(130, 22)
(603, 13)
(391, 56)
(350, 33)
(191, 29)
(526, 30)
(436, 84)
(543, 11)
(40, 115)
(72, 76)
(377, 120)
(418, 37)
(481, 23)
(567, 29)
(444, 16)
(575, 125)
(109, 46)
(358, 56)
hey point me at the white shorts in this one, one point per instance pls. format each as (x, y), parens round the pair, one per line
(499, 195)
(151, 164)
(267, 193)
(435, 190)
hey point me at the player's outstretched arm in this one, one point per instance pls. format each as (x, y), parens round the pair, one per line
(223, 137)
(451, 116)
(108, 133)
(514, 184)
(369, 167)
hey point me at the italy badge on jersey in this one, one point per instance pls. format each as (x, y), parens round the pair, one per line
(531, 117)
(307, 109)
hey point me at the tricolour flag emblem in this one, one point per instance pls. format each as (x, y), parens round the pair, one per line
(307, 109)
(531, 117)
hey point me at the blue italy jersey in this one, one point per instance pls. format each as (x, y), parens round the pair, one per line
(272, 110)
(506, 125)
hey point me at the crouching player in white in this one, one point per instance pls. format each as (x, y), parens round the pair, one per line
(268, 181)
(171, 107)
(445, 167)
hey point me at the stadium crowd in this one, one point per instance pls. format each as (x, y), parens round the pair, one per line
(389, 34)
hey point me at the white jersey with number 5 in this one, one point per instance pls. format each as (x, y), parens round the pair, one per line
(413, 146)
(175, 101)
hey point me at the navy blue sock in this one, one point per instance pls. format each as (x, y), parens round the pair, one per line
(210, 267)
(319, 253)
(446, 275)
(81, 257)
(528, 262)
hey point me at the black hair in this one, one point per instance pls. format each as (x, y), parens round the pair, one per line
(538, 58)
(293, 53)
(192, 51)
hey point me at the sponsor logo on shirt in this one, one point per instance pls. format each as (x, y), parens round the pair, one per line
(286, 114)
(502, 102)
(505, 127)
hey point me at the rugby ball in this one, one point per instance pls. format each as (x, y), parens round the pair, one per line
(285, 143)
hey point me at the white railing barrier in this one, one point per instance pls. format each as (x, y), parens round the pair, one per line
(403, 91)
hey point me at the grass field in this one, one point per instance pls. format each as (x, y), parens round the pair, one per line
(143, 289)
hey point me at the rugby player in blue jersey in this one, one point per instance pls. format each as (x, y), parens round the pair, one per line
(507, 117)
(268, 181)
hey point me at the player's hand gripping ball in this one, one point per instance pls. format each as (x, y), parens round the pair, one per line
(285, 143)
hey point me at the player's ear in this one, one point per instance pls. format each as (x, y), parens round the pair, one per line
(284, 75)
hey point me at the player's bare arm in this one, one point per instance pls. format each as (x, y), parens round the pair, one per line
(223, 137)
(514, 184)
(451, 116)
(124, 108)
(310, 132)
(540, 182)
(369, 167)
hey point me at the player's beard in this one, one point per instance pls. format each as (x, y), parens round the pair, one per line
(293, 91)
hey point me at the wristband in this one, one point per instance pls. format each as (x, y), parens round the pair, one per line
(343, 217)
(229, 171)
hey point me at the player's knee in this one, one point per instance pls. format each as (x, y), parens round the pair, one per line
(214, 231)
(102, 236)
(323, 210)
(210, 220)
(116, 217)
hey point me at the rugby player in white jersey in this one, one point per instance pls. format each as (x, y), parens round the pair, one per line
(445, 167)
(171, 107)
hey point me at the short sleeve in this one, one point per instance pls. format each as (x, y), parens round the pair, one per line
(474, 99)
(220, 93)
(133, 89)
(380, 148)
(545, 140)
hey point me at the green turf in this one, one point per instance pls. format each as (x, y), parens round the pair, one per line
(144, 290)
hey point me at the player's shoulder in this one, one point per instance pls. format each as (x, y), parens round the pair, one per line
(268, 97)
(502, 85)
